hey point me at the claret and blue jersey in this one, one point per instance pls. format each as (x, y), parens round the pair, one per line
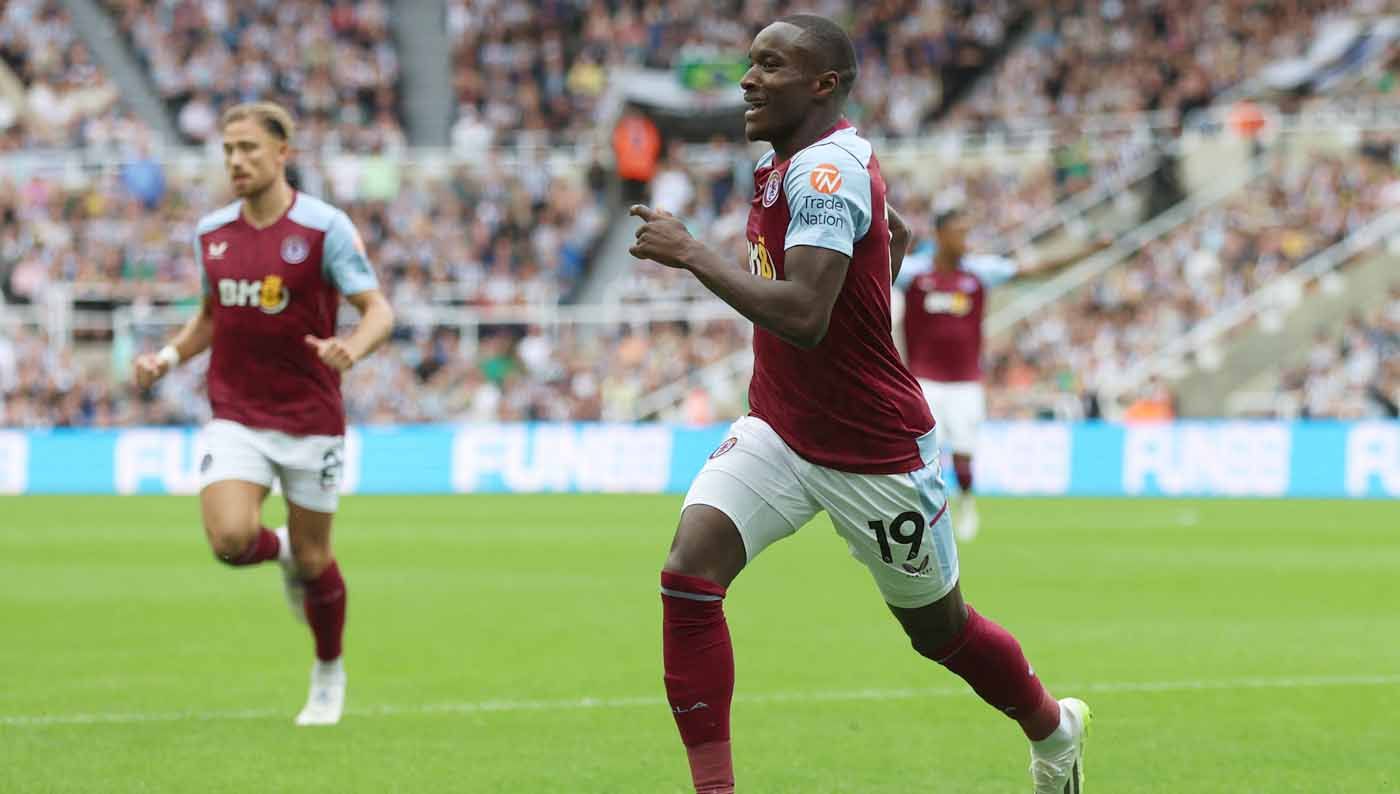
(848, 403)
(268, 289)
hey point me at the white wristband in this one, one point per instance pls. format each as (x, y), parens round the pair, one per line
(170, 356)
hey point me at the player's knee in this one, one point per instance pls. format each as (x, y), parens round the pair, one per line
(931, 645)
(707, 546)
(687, 564)
(229, 541)
(311, 559)
(935, 628)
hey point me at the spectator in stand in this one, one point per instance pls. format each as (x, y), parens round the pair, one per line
(333, 62)
(1198, 270)
(636, 147)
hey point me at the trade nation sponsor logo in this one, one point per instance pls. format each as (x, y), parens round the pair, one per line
(826, 178)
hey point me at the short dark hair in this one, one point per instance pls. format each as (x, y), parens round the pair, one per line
(829, 46)
(946, 217)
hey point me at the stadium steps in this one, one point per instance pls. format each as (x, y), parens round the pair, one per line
(611, 262)
(1273, 328)
(425, 62)
(1031, 302)
(111, 52)
(1111, 209)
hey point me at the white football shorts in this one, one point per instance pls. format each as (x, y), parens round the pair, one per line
(308, 467)
(896, 524)
(959, 409)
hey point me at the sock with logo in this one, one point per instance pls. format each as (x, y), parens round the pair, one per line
(699, 661)
(263, 548)
(986, 656)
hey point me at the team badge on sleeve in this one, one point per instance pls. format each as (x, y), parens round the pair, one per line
(826, 178)
(295, 249)
(725, 447)
(771, 190)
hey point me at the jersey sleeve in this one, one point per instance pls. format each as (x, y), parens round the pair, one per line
(991, 270)
(343, 258)
(199, 264)
(828, 198)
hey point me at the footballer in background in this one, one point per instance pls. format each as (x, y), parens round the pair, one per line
(274, 265)
(945, 293)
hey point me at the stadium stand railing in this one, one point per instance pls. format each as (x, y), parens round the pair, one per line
(1283, 292)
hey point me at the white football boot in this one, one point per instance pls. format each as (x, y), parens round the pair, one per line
(292, 584)
(327, 698)
(1061, 770)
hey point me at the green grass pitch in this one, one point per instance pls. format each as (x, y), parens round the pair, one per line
(511, 644)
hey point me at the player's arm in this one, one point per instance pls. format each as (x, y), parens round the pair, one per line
(346, 265)
(193, 338)
(899, 241)
(797, 309)
(376, 323)
(1047, 267)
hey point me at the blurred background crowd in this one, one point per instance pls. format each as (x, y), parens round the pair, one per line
(516, 209)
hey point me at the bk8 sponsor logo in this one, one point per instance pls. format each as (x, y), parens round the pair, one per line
(268, 294)
(957, 304)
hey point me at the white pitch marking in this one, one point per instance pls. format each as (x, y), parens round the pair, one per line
(585, 703)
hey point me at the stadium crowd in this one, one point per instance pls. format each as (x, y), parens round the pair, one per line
(1351, 375)
(488, 234)
(576, 372)
(1005, 197)
(333, 63)
(1126, 56)
(1197, 270)
(539, 71)
(63, 100)
(473, 237)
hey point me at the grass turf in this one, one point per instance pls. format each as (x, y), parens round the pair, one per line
(511, 644)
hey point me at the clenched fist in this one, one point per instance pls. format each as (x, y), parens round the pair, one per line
(333, 352)
(149, 368)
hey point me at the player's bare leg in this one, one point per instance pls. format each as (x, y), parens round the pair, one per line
(232, 513)
(987, 657)
(966, 521)
(705, 556)
(310, 533)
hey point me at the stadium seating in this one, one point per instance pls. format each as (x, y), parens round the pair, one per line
(1351, 373)
(1085, 58)
(333, 63)
(1199, 269)
(539, 72)
(62, 100)
(476, 235)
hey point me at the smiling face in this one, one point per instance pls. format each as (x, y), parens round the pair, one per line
(254, 158)
(778, 87)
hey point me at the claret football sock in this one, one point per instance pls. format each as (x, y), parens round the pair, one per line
(699, 661)
(325, 611)
(263, 548)
(986, 656)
